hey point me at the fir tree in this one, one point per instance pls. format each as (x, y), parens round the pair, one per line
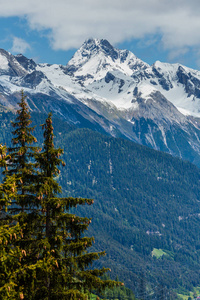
(43, 250)
(19, 207)
(65, 245)
(9, 231)
(22, 156)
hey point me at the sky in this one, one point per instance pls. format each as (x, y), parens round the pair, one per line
(50, 31)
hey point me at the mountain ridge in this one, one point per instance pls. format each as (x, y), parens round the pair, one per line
(114, 92)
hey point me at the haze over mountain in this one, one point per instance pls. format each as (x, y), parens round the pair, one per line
(114, 92)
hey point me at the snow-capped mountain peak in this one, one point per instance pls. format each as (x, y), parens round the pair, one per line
(97, 57)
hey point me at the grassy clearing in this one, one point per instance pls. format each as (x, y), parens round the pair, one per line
(158, 253)
(193, 294)
(184, 297)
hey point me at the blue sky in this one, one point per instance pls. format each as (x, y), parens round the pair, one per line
(51, 31)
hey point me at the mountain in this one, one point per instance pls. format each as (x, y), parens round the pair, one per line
(146, 213)
(146, 210)
(113, 92)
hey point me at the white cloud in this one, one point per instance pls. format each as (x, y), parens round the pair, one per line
(175, 53)
(19, 45)
(71, 22)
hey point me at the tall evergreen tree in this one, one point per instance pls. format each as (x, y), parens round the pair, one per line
(18, 215)
(44, 253)
(63, 231)
(10, 232)
(22, 156)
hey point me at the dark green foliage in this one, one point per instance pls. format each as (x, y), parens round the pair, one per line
(119, 292)
(21, 157)
(63, 232)
(9, 262)
(44, 254)
(147, 200)
(17, 202)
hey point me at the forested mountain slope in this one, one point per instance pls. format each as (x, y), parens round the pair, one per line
(144, 200)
